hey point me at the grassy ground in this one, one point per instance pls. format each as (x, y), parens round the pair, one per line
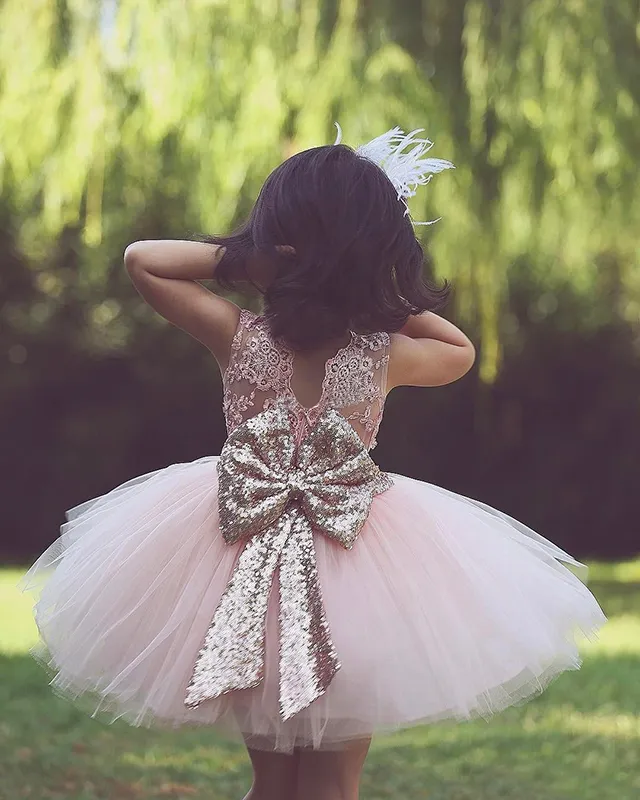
(579, 740)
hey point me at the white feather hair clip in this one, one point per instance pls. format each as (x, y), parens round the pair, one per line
(406, 168)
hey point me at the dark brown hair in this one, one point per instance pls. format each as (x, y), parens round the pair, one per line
(357, 263)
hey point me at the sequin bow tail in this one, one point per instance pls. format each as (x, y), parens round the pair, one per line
(275, 496)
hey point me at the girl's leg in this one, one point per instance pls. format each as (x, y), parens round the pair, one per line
(331, 774)
(274, 775)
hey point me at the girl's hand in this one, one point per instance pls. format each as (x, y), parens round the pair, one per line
(261, 270)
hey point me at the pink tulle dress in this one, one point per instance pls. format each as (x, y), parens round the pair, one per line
(289, 591)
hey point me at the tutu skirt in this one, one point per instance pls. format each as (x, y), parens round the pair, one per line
(443, 608)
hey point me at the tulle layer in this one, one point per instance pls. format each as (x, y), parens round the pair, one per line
(444, 608)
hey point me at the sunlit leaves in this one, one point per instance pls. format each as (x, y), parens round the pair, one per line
(164, 116)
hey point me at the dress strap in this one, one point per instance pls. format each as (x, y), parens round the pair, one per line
(356, 383)
(245, 320)
(257, 373)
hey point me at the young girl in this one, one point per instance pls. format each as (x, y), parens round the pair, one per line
(288, 590)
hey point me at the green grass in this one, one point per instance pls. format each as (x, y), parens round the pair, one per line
(580, 739)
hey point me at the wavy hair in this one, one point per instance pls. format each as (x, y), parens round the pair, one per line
(356, 265)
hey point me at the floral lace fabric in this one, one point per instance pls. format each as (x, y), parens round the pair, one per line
(260, 371)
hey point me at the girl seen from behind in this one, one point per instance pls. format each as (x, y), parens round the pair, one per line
(288, 590)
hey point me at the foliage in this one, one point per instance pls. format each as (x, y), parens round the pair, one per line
(126, 119)
(136, 117)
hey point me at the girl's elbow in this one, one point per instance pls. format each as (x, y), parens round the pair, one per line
(464, 360)
(470, 357)
(134, 257)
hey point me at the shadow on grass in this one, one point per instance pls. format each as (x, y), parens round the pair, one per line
(606, 683)
(503, 760)
(578, 740)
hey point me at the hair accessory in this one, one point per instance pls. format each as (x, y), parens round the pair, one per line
(406, 168)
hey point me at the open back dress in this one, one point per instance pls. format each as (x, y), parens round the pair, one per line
(291, 592)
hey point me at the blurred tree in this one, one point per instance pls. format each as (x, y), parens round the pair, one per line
(124, 119)
(114, 113)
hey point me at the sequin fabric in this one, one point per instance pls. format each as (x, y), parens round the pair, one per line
(275, 494)
(260, 371)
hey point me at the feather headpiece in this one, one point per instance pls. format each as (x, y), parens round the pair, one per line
(402, 156)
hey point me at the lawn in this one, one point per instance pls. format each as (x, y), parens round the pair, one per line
(579, 740)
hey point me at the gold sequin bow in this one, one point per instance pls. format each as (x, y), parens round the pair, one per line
(276, 495)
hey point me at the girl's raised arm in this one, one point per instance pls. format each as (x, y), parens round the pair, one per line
(428, 351)
(166, 274)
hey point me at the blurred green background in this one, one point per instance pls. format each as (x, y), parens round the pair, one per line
(125, 119)
(128, 119)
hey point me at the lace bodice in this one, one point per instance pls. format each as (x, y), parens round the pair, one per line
(260, 370)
